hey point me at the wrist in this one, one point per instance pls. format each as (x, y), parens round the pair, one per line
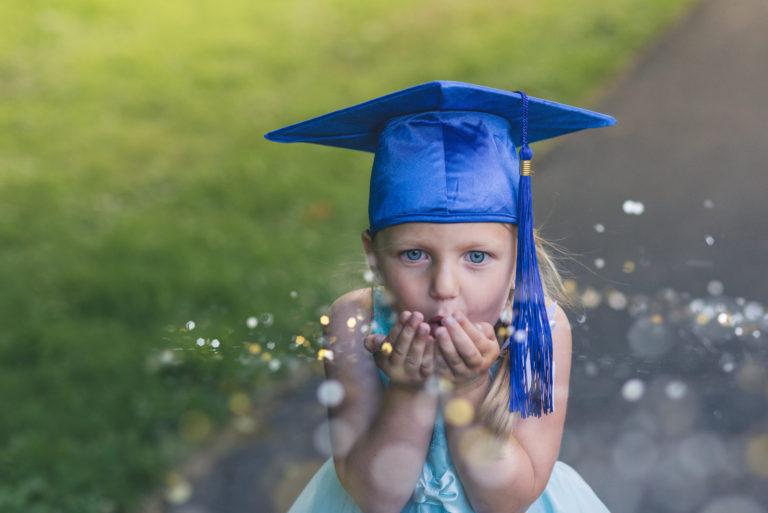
(473, 390)
(406, 387)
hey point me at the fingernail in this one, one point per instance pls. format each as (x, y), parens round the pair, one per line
(404, 316)
(448, 320)
(458, 316)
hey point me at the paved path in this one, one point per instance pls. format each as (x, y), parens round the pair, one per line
(668, 406)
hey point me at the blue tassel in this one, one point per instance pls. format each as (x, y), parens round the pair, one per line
(530, 348)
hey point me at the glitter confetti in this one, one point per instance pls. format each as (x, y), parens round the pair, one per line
(753, 311)
(351, 322)
(251, 322)
(633, 207)
(648, 339)
(387, 464)
(617, 300)
(570, 286)
(190, 325)
(709, 240)
(599, 263)
(330, 393)
(633, 390)
(267, 319)
(244, 424)
(676, 389)
(325, 320)
(459, 412)
(178, 490)
(715, 288)
(590, 298)
(757, 455)
(599, 228)
(239, 403)
(332, 435)
(195, 427)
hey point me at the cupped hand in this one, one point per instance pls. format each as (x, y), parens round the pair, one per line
(465, 350)
(406, 353)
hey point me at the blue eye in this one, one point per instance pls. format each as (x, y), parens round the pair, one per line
(413, 254)
(477, 257)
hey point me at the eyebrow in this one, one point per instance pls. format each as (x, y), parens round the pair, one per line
(467, 246)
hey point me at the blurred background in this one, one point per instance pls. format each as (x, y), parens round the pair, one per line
(164, 269)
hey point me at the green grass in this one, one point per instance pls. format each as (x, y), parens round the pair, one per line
(137, 193)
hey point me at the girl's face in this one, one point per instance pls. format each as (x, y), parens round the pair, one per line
(441, 269)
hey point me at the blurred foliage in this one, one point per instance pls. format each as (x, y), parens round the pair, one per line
(137, 193)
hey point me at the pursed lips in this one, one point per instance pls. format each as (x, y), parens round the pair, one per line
(435, 322)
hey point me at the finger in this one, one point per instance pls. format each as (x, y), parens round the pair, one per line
(491, 347)
(448, 351)
(428, 358)
(481, 334)
(465, 337)
(402, 344)
(402, 319)
(487, 330)
(372, 343)
(441, 366)
(418, 346)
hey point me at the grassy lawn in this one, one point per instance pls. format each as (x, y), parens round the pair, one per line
(137, 193)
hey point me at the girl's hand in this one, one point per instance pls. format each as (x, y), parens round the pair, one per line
(465, 350)
(406, 354)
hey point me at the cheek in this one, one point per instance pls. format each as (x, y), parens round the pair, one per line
(402, 286)
(490, 300)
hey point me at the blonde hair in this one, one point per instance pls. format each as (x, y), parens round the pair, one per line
(494, 410)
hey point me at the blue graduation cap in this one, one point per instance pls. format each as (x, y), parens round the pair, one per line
(445, 153)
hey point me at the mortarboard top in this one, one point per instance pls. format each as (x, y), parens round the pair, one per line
(358, 127)
(445, 153)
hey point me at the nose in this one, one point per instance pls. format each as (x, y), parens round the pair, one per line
(445, 283)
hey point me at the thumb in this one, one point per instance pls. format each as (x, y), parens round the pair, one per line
(373, 342)
(487, 330)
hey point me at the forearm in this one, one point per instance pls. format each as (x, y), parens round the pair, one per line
(497, 474)
(383, 466)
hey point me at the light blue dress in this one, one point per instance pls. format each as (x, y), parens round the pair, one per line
(439, 489)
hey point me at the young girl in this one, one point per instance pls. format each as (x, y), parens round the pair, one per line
(452, 403)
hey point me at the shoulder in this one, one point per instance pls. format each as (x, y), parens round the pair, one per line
(356, 304)
(561, 326)
(349, 316)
